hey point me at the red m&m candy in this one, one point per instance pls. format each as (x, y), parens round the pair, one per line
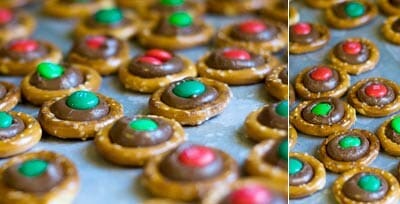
(96, 42)
(252, 26)
(237, 54)
(253, 194)
(26, 45)
(5, 16)
(352, 47)
(376, 90)
(149, 60)
(196, 156)
(302, 28)
(321, 73)
(159, 54)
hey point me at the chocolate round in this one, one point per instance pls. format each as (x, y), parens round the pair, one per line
(92, 23)
(3, 91)
(268, 34)
(317, 86)
(72, 77)
(334, 115)
(396, 26)
(16, 127)
(272, 157)
(39, 52)
(217, 60)
(304, 39)
(121, 133)
(283, 76)
(395, 2)
(165, 28)
(375, 101)
(110, 47)
(359, 58)
(62, 111)
(174, 169)
(148, 70)
(270, 118)
(339, 153)
(392, 134)
(43, 183)
(352, 190)
(340, 9)
(303, 176)
(171, 99)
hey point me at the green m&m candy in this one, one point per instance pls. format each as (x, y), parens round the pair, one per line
(321, 109)
(172, 2)
(109, 16)
(370, 183)
(33, 167)
(349, 142)
(5, 120)
(180, 19)
(283, 150)
(83, 100)
(395, 124)
(50, 70)
(354, 9)
(143, 125)
(282, 108)
(295, 166)
(189, 89)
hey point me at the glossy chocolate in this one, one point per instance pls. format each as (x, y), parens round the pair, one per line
(217, 60)
(41, 184)
(62, 111)
(340, 10)
(268, 34)
(272, 157)
(304, 39)
(16, 127)
(270, 118)
(334, 116)
(169, 98)
(108, 48)
(72, 77)
(40, 52)
(173, 169)
(166, 29)
(317, 86)
(148, 70)
(359, 58)
(352, 190)
(303, 176)
(375, 101)
(338, 153)
(391, 134)
(121, 133)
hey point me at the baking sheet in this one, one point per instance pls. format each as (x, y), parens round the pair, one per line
(103, 182)
(388, 67)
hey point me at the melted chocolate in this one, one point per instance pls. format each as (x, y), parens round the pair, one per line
(316, 86)
(72, 77)
(109, 48)
(217, 60)
(339, 10)
(121, 133)
(268, 34)
(304, 39)
(92, 23)
(283, 76)
(349, 154)
(334, 116)
(391, 134)
(16, 127)
(62, 111)
(169, 98)
(147, 70)
(173, 169)
(395, 2)
(396, 26)
(359, 58)
(272, 157)
(375, 101)
(270, 118)
(40, 52)
(40, 184)
(303, 176)
(166, 29)
(3, 91)
(353, 191)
